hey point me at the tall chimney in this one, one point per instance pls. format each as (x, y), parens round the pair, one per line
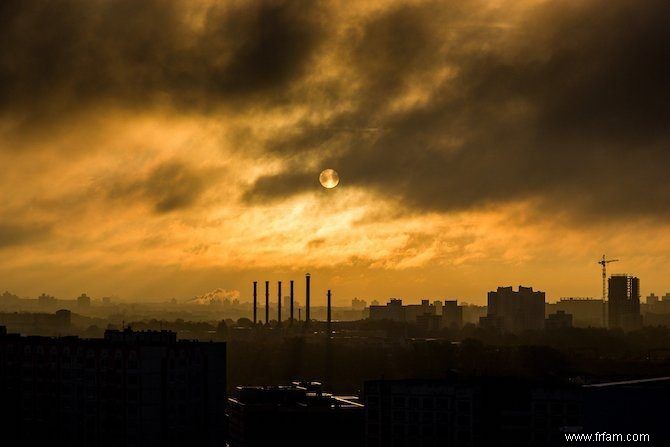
(329, 332)
(255, 299)
(278, 302)
(267, 302)
(307, 278)
(291, 302)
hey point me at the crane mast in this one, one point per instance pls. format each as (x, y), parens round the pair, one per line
(604, 261)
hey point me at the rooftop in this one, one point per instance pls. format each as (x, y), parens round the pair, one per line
(297, 395)
(654, 380)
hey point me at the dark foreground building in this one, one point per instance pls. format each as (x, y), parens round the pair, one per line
(476, 412)
(513, 412)
(294, 416)
(127, 389)
(629, 407)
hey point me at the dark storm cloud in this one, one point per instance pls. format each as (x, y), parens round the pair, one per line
(168, 187)
(61, 55)
(291, 182)
(15, 234)
(568, 105)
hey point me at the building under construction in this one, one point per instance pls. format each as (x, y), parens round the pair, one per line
(624, 302)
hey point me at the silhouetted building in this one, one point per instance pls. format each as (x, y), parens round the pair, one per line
(627, 407)
(657, 305)
(9, 299)
(656, 312)
(83, 300)
(624, 302)
(452, 314)
(130, 388)
(559, 320)
(410, 313)
(46, 300)
(413, 311)
(515, 311)
(429, 322)
(36, 323)
(652, 299)
(358, 304)
(472, 313)
(586, 312)
(476, 412)
(393, 311)
(438, 307)
(297, 415)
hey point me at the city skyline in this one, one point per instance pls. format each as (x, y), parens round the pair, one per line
(222, 296)
(175, 150)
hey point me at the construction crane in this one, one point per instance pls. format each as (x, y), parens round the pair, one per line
(604, 261)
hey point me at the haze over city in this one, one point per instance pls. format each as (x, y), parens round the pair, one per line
(155, 150)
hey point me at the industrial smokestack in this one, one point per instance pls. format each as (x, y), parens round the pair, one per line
(329, 331)
(291, 302)
(267, 302)
(307, 278)
(278, 302)
(255, 299)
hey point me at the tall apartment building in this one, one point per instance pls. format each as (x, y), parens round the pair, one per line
(127, 389)
(624, 302)
(452, 314)
(515, 311)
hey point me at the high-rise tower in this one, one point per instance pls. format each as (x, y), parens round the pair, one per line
(624, 302)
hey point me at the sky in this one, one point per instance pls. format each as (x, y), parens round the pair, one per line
(162, 149)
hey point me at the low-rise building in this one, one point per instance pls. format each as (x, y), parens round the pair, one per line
(393, 311)
(297, 415)
(430, 316)
(586, 312)
(37, 323)
(558, 320)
